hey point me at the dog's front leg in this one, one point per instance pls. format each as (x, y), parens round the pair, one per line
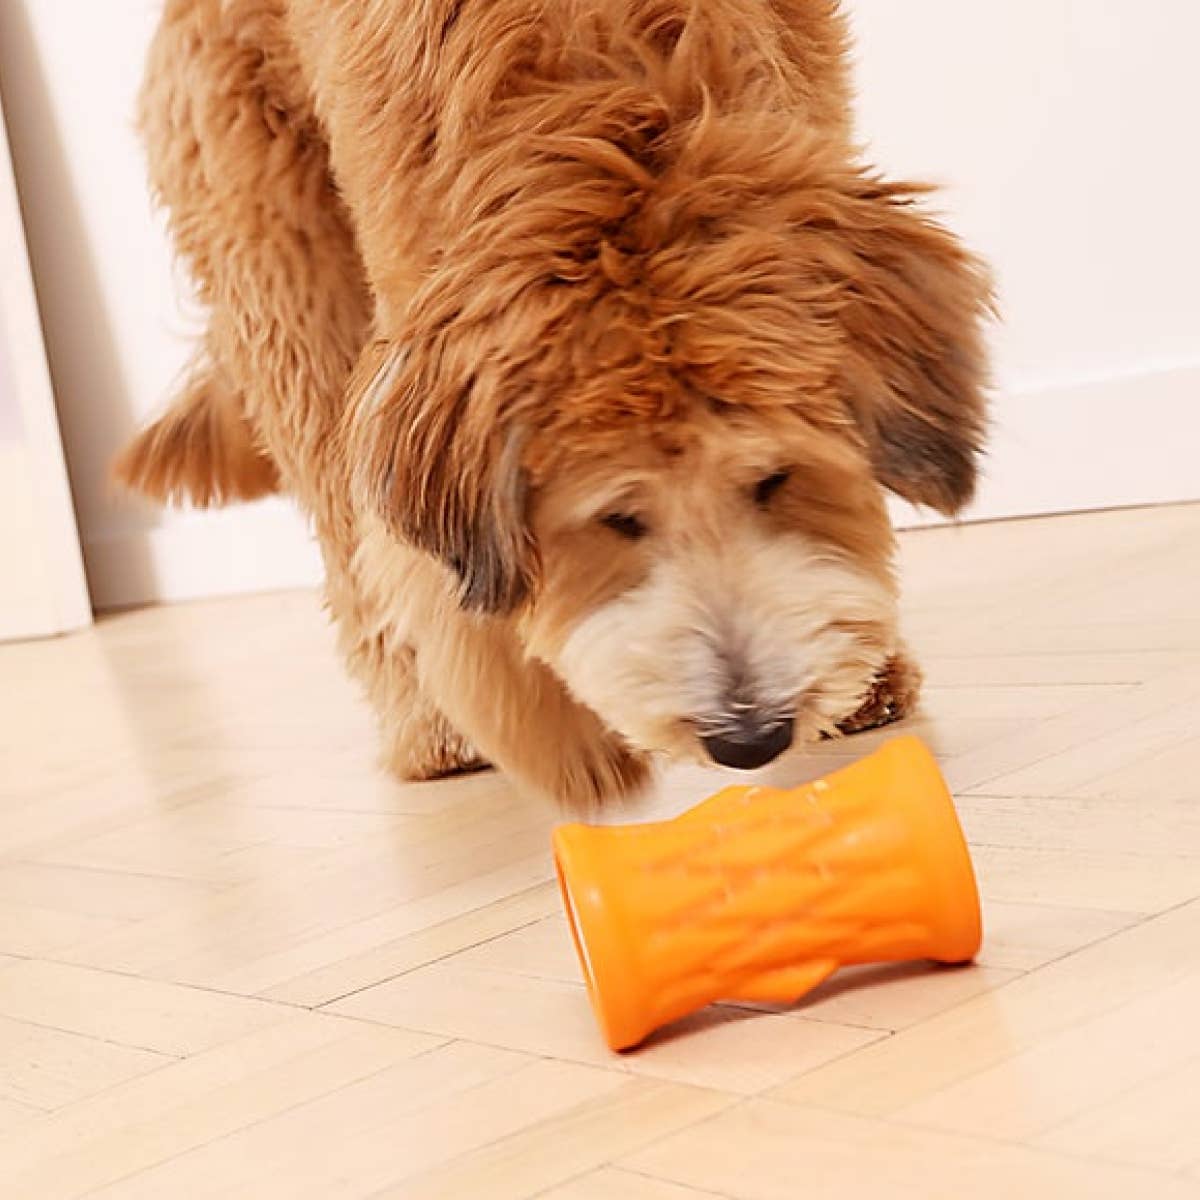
(513, 709)
(520, 716)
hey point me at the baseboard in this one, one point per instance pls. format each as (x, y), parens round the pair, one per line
(1116, 442)
(260, 547)
(1108, 443)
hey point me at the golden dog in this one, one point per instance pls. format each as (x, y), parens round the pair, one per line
(589, 345)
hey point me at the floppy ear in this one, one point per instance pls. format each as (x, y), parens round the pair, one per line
(915, 371)
(435, 458)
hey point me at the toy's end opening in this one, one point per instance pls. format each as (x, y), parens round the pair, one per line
(592, 932)
(577, 934)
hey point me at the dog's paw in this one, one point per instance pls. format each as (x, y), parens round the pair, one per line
(590, 774)
(892, 697)
(434, 750)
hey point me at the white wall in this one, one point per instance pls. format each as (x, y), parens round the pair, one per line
(1064, 130)
(119, 323)
(1064, 134)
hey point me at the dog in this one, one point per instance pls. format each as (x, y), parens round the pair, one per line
(591, 347)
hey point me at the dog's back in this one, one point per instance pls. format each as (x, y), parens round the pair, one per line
(230, 88)
(240, 163)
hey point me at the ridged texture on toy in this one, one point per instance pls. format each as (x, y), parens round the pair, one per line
(759, 894)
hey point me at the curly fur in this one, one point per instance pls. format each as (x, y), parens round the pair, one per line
(492, 282)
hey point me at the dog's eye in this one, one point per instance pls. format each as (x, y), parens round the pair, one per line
(764, 489)
(627, 525)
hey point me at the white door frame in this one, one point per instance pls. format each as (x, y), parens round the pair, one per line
(43, 589)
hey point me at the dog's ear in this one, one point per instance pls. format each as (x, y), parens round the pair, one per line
(914, 372)
(433, 456)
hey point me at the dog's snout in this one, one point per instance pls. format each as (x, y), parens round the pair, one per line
(750, 740)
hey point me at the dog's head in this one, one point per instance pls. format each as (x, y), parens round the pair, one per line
(653, 427)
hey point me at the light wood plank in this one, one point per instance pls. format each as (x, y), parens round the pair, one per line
(126, 1011)
(766, 1151)
(209, 842)
(47, 1068)
(1104, 880)
(1030, 1092)
(120, 895)
(1150, 1125)
(138, 1125)
(613, 1182)
(1152, 828)
(1166, 774)
(399, 919)
(389, 957)
(993, 1029)
(1015, 702)
(224, 940)
(1023, 936)
(32, 930)
(1064, 751)
(13, 1113)
(401, 1123)
(732, 1049)
(575, 1138)
(1034, 670)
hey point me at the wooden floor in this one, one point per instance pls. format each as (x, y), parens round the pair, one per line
(235, 961)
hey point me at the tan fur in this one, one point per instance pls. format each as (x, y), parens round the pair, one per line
(531, 306)
(202, 450)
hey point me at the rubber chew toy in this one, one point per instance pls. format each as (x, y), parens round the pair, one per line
(760, 894)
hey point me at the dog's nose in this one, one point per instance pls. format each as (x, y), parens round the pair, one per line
(750, 741)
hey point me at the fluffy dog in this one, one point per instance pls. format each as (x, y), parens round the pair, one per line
(590, 346)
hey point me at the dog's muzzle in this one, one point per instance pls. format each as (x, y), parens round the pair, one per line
(750, 741)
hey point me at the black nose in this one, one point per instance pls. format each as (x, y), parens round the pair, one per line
(750, 742)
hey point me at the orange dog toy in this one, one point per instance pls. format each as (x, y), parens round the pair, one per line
(760, 894)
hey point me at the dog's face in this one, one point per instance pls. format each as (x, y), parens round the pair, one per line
(658, 444)
(719, 587)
